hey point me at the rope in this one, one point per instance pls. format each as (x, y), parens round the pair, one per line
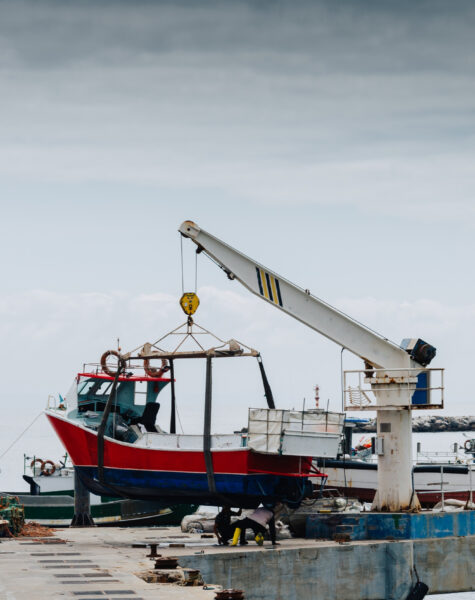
(179, 420)
(21, 434)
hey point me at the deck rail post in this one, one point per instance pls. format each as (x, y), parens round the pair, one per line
(442, 487)
(470, 467)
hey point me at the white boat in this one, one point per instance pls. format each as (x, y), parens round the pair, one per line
(359, 479)
(51, 500)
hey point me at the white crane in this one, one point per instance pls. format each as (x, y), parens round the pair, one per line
(391, 370)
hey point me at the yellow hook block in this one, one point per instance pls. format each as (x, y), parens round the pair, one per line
(189, 303)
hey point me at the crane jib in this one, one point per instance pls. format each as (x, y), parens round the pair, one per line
(269, 286)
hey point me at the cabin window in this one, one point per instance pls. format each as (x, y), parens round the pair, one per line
(140, 395)
(104, 388)
(94, 387)
(85, 386)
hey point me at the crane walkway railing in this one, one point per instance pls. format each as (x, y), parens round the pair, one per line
(417, 388)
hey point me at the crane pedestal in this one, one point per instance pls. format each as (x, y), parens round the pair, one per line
(394, 445)
(391, 393)
(395, 490)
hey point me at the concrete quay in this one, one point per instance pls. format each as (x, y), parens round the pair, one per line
(89, 564)
(105, 563)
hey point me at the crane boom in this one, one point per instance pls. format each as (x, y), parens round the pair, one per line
(299, 303)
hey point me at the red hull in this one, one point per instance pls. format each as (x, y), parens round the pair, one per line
(81, 445)
(239, 476)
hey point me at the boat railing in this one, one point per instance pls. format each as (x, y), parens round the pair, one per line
(172, 441)
(438, 457)
(443, 487)
(52, 402)
(133, 366)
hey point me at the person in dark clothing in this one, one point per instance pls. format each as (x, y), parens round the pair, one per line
(223, 529)
(258, 521)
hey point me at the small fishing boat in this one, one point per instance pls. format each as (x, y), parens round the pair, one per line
(108, 426)
(436, 475)
(51, 500)
(359, 479)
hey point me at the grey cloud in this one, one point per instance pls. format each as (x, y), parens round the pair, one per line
(364, 103)
(359, 37)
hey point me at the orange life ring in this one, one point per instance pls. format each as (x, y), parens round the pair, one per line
(107, 370)
(48, 471)
(152, 371)
(34, 461)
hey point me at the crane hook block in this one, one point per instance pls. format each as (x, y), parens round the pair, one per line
(189, 303)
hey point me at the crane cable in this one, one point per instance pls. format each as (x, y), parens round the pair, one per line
(183, 268)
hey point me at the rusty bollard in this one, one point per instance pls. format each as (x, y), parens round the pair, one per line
(153, 551)
(166, 562)
(230, 594)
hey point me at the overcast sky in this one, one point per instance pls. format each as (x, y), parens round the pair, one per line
(331, 141)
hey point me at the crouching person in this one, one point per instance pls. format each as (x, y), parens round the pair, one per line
(261, 519)
(223, 528)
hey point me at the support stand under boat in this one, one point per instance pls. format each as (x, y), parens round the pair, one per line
(207, 429)
(82, 504)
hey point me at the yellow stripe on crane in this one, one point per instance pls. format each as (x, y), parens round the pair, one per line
(274, 290)
(269, 286)
(264, 284)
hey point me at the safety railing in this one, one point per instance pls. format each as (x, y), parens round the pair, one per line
(443, 488)
(419, 388)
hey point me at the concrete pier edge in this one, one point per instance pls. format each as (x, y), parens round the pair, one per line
(353, 571)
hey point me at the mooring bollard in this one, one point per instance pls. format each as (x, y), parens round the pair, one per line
(166, 562)
(153, 551)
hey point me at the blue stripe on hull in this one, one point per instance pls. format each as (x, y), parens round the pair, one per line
(194, 486)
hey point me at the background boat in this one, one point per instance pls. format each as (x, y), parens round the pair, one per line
(51, 500)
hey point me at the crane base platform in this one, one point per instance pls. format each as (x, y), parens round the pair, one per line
(391, 526)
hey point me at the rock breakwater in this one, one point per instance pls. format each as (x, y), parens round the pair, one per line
(427, 423)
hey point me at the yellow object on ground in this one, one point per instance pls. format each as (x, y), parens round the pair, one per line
(259, 539)
(237, 533)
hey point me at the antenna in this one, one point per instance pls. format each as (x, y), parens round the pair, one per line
(317, 396)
